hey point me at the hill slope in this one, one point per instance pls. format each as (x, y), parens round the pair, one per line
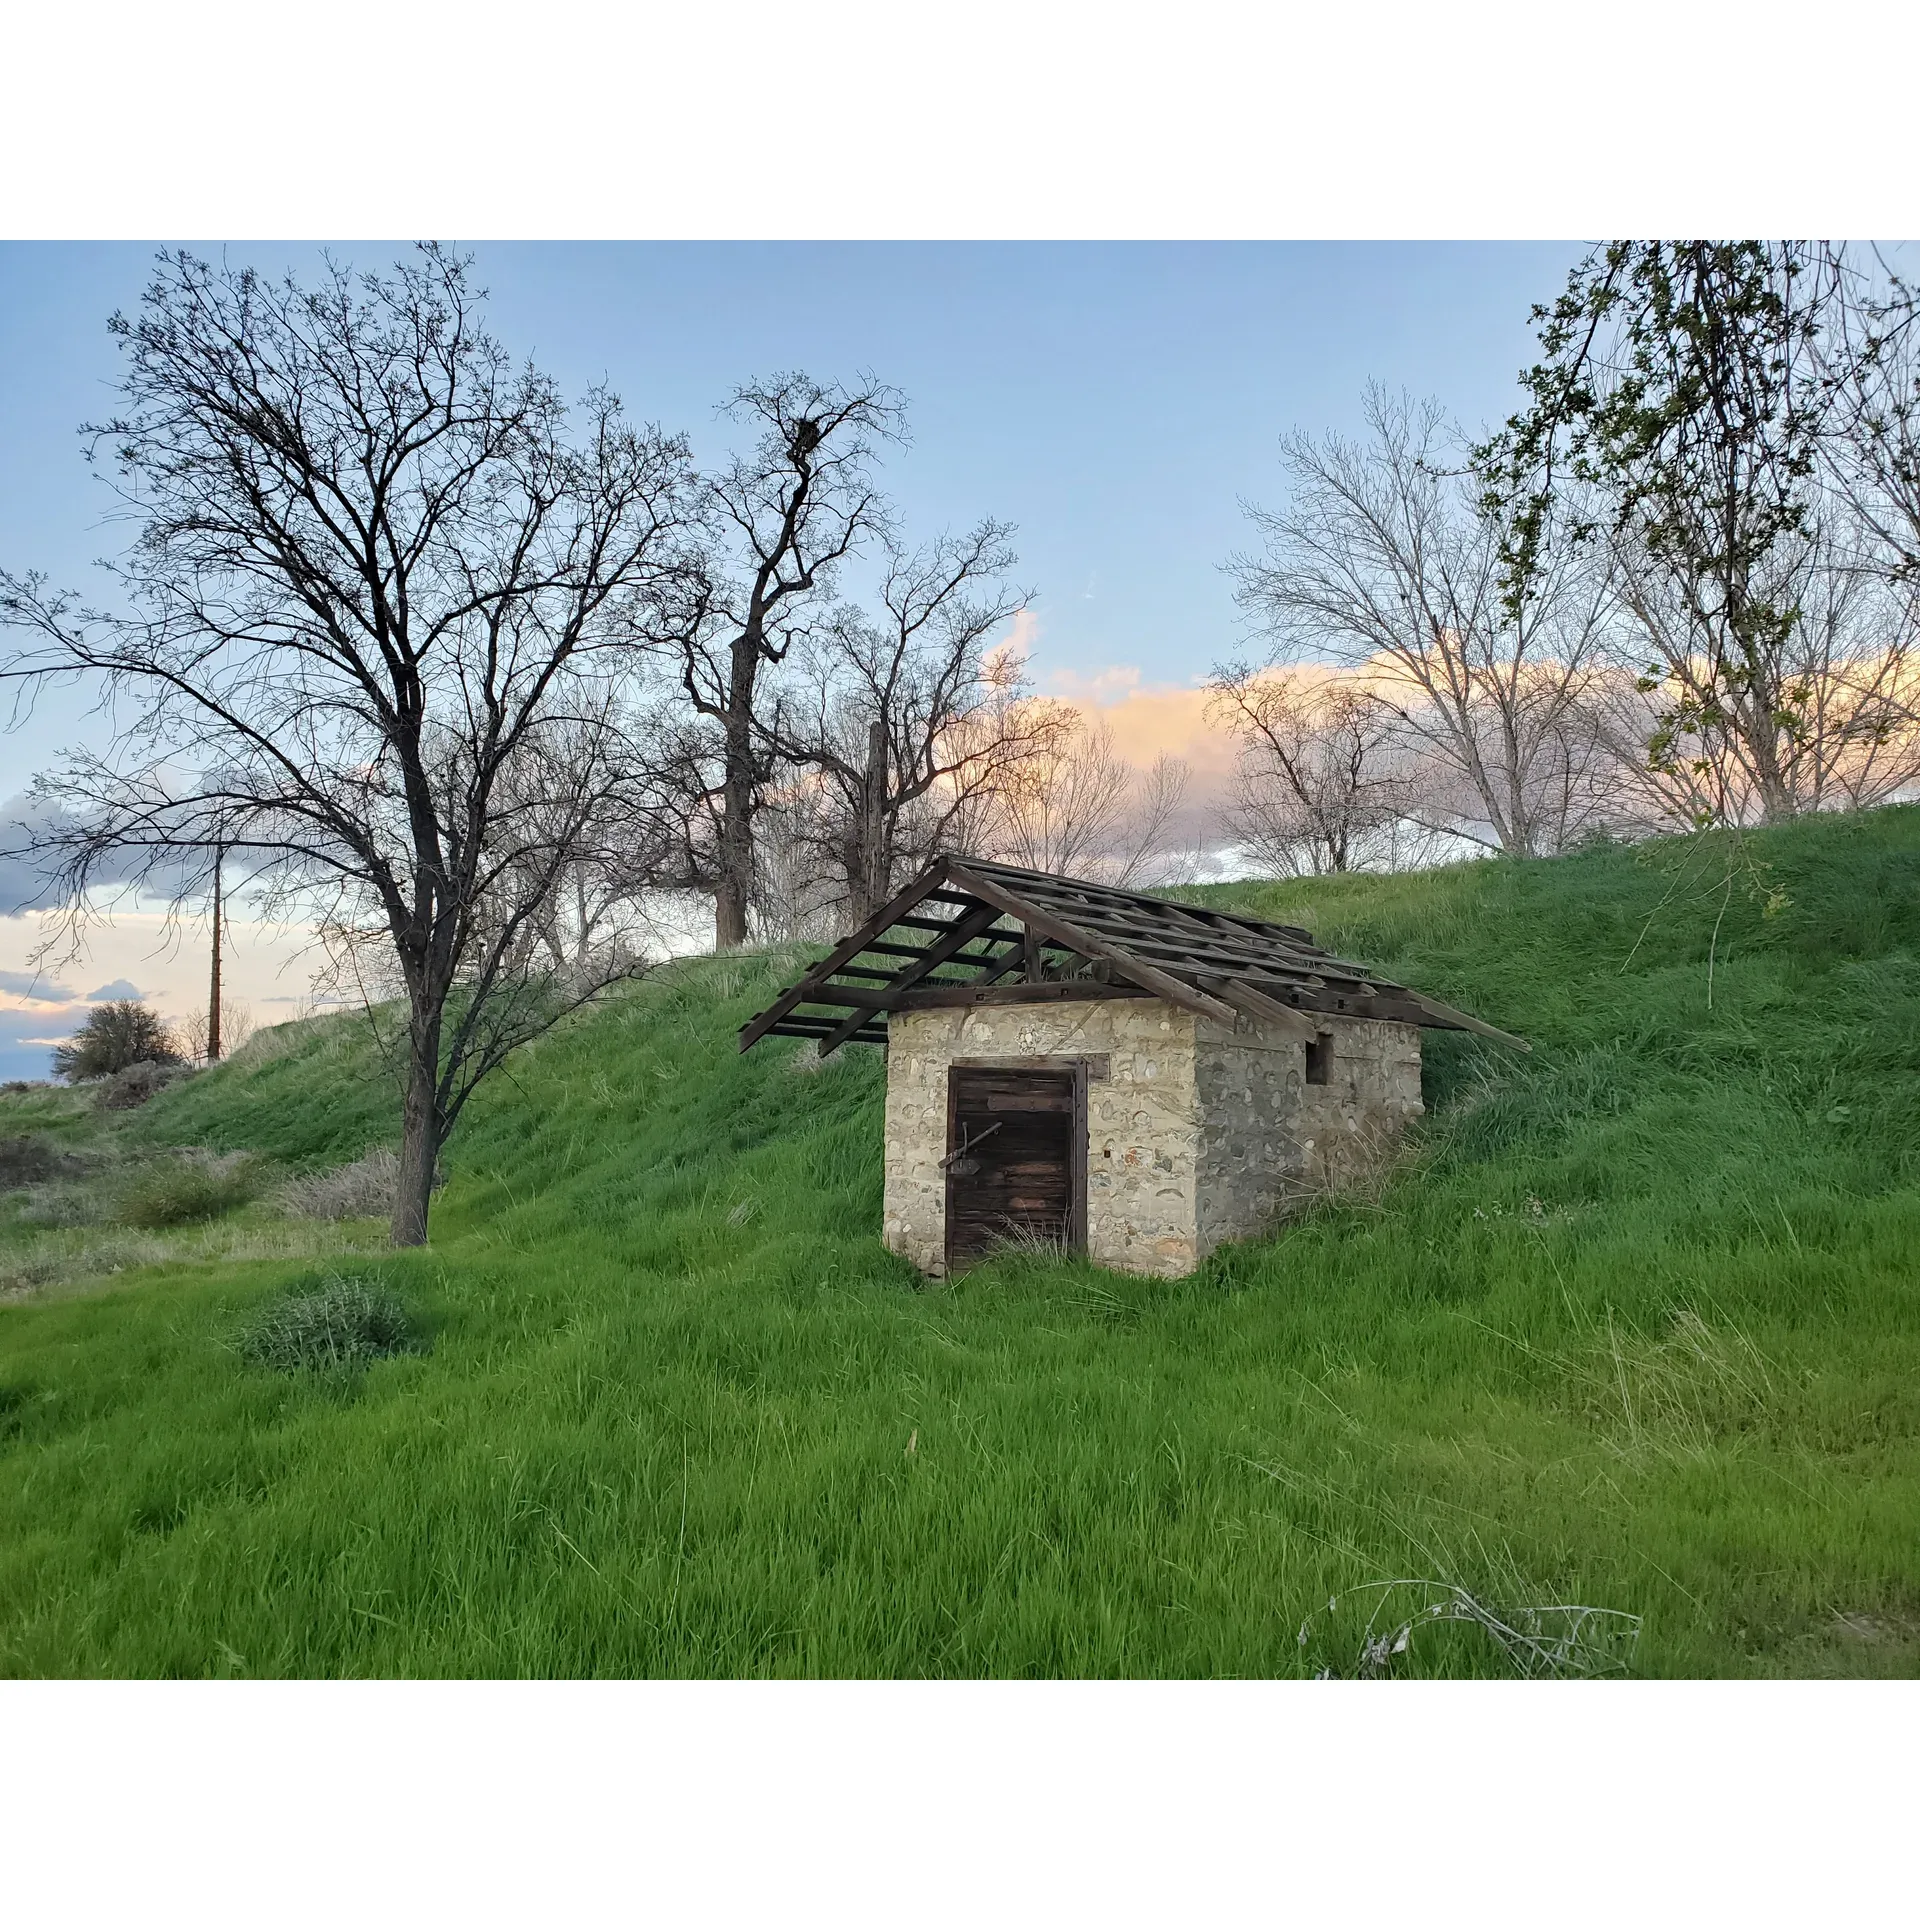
(1633, 1326)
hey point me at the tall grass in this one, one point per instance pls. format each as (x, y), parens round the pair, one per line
(1634, 1327)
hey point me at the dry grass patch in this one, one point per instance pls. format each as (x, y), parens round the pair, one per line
(362, 1189)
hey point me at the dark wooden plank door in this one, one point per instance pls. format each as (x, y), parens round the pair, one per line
(1016, 1166)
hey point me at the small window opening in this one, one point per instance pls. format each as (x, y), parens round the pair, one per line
(1320, 1061)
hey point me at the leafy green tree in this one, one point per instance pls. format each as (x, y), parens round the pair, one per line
(1677, 412)
(117, 1034)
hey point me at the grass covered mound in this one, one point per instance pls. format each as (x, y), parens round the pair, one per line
(1633, 1327)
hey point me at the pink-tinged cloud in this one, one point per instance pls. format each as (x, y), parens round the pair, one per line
(1147, 721)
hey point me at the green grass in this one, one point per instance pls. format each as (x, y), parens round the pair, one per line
(1634, 1325)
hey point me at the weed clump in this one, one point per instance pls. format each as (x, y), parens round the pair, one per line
(348, 1321)
(1537, 1643)
(187, 1188)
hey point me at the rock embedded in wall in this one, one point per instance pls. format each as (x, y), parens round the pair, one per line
(1196, 1133)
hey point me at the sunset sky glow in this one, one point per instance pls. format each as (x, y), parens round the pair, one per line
(1117, 402)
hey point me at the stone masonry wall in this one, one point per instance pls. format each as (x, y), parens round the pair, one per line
(1269, 1140)
(1142, 1124)
(1197, 1135)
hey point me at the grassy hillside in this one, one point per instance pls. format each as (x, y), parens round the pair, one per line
(1634, 1325)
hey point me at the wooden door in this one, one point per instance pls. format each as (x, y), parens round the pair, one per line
(1016, 1160)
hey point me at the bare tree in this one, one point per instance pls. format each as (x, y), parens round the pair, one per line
(1155, 841)
(1838, 681)
(1867, 356)
(1078, 807)
(1384, 562)
(784, 515)
(1870, 364)
(236, 1028)
(375, 636)
(1318, 786)
(913, 720)
(596, 916)
(797, 894)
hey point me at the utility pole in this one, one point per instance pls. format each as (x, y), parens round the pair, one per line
(213, 996)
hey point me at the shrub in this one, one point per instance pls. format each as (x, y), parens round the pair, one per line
(134, 1086)
(117, 1034)
(349, 1320)
(363, 1187)
(193, 1186)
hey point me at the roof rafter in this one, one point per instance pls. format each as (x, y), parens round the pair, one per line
(1214, 964)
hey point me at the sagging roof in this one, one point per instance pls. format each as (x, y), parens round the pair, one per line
(971, 931)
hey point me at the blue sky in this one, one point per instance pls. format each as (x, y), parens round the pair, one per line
(1115, 401)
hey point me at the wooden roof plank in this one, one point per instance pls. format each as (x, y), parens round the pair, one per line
(1257, 1006)
(940, 926)
(1141, 972)
(1093, 893)
(876, 923)
(1173, 938)
(1185, 953)
(1094, 890)
(791, 1030)
(900, 950)
(968, 927)
(1021, 993)
(1447, 1016)
(1206, 940)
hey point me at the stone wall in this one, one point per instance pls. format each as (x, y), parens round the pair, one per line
(1196, 1133)
(1142, 1125)
(1269, 1140)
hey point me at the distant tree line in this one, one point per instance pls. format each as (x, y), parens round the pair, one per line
(476, 678)
(473, 677)
(1676, 589)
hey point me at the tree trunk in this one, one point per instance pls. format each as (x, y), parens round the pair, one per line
(734, 884)
(213, 992)
(734, 880)
(868, 875)
(419, 1136)
(1769, 776)
(729, 913)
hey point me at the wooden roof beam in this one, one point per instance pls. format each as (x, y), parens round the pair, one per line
(1141, 972)
(762, 1023)
(1020, 993)
(1255, 1004)
(793, 1028)
(927, 925)
(969, 926)
(898, 949)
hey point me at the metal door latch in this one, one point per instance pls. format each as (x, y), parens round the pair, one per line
(967, 1145)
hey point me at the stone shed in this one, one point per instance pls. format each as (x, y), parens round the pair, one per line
(1075, 1066)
